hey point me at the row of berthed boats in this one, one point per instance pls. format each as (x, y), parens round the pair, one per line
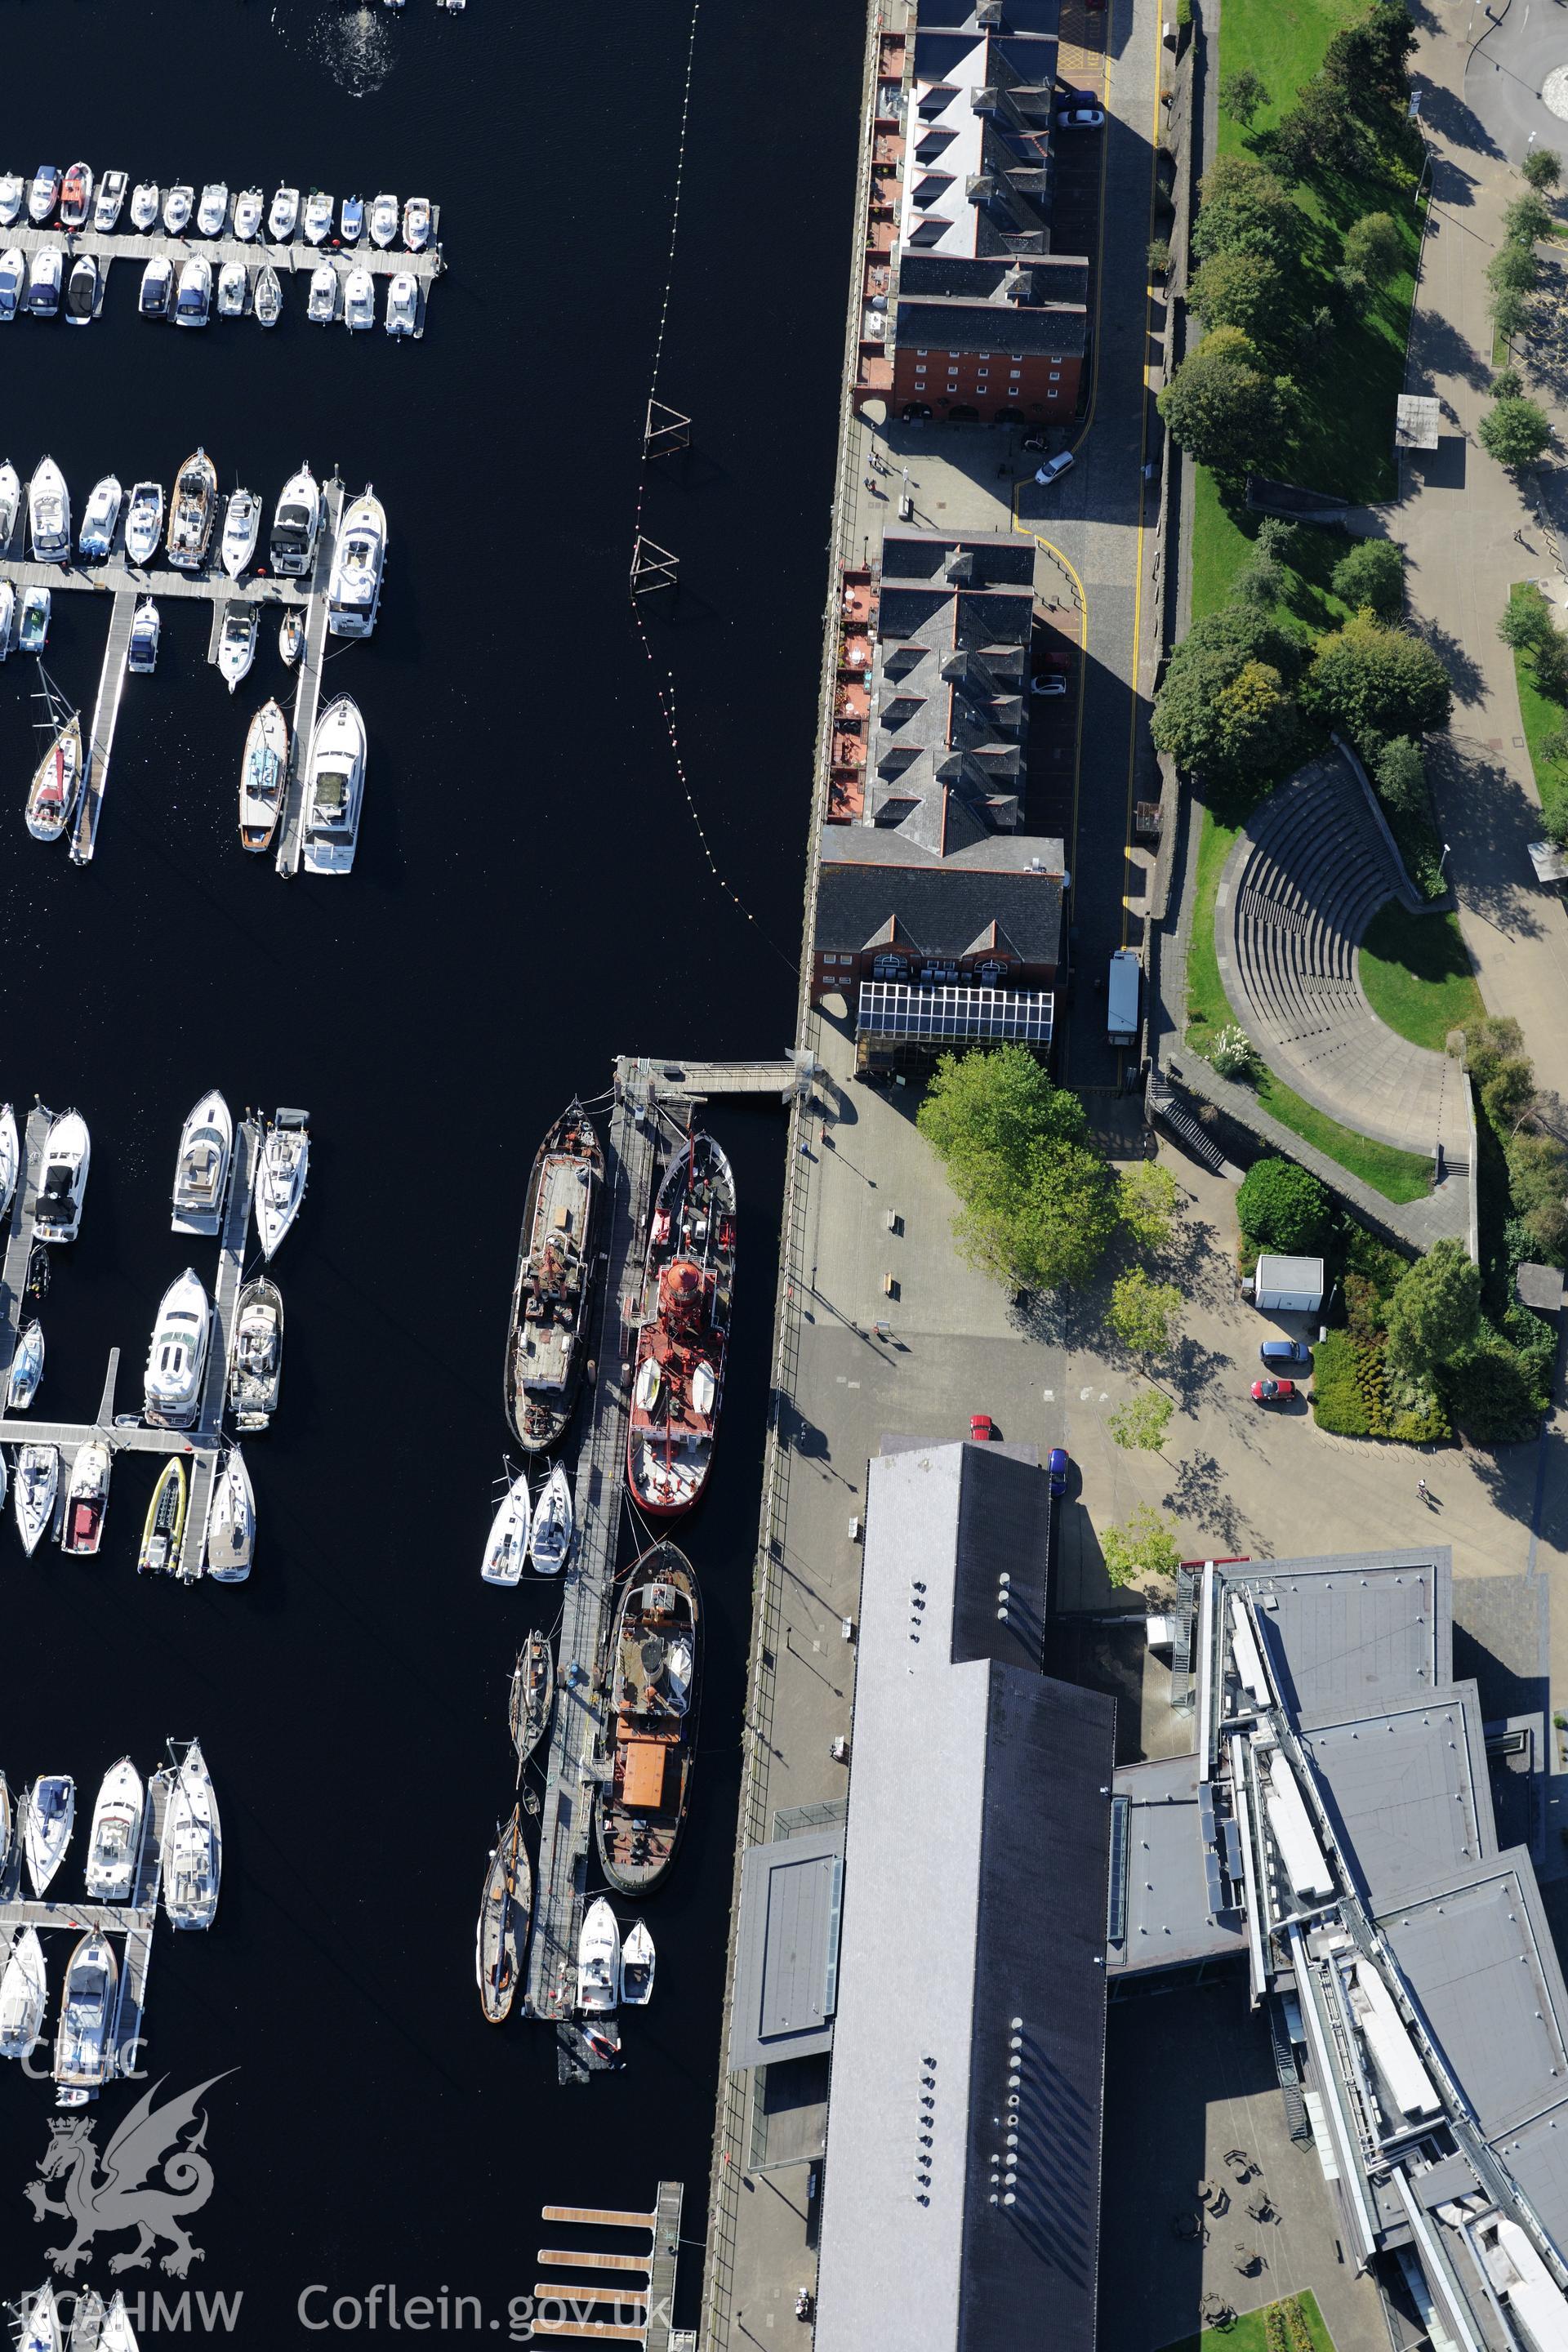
(75, 200)
(95, 2325)
(144, 1842)
(39, 287)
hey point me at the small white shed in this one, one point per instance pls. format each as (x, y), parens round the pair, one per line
(1288, 1286)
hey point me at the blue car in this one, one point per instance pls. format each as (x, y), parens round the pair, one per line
(1058, 1466)
(1285, 1351)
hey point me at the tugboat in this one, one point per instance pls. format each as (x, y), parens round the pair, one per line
(544, 1348)
(655, 1666)
(688, 1282)
(504, 1915)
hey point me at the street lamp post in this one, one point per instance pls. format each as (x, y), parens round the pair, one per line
(1443, 861)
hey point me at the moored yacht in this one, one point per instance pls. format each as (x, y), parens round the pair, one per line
(552, 1288)
(233, 287)
(237, 646)
(7, 616)
(143, 522)
(46, 1827)
(533, 1694)
(177, 203)
(322, 302)
(83, 289)
(291, 635)
(145, 630)
(13, 195)
(637, 1968)
(202, 1166)
(550, 1537)
(256, 1367)
(10, 503)
(241, 524)
(403, 304)
(163, 1529)
(247, 209)
(684, 1324)
(97, 534)
(24, 1996)
(353, 589)
(110, 203)
(193, 1845)
(33, 1493)
(283, 214)
(116, 1833)
(44, 193)
(144, 204)
(87, 1500)
(176, 1359)
(351, 220)
(267, 299)
(157, 287)
(46, 273)
(193, 512)
(231, 1522)
(506, 1550)
(192, 303)
(76, 197)
(295, 525)
(318, 216)
(84, 2043)
(62, 1187)
(26, 1369)
(10, 1156)
(33, 624)
(383, 217)
(281, 1177)
(599, 1962)
(117, 2335)
(213, 210)
(49, 514)
(261, 774)
(42, 2330)
(654, 1673)
(334, 788)
(416, 224)
(56, 782)
(13, 282)
(504, 1912)
(359, 301)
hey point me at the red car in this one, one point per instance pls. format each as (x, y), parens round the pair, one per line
(1273, 1391)
(980, 1428)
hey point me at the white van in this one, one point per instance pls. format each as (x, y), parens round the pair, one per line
(1122, 998)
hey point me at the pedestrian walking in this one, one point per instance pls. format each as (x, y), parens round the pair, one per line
(1421, 1494)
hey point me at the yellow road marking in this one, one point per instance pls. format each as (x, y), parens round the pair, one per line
(1142, 461)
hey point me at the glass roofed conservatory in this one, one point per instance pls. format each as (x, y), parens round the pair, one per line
(894, 1012)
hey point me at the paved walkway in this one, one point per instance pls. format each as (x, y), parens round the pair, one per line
(1306, 877)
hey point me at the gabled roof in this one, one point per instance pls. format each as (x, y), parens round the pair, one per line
(932, 909)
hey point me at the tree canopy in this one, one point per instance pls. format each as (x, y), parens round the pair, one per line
(1141, 1423)
(1038, 1203)
(1224, 406)
(1189, 724)
(1147, 1198)
(1436, 1309)
(1371, 573)
(1542, 167)
(1374, 246)
(1244, 208)
(1242, 94)
(1243, 289)
(1376, 681)
(1514, 432)
(1283, 1207)
(1146, 1545)
(1143, 1313)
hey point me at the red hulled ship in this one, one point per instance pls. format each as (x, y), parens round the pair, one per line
(678, 1381)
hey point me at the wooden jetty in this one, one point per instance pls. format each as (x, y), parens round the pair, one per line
(242, 1173)
(652, 1078)
(562, 2305)
(105, 717)
(308, 692)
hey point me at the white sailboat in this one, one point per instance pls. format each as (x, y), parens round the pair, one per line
(24, 1996)
(261, 774)
(507, 1548)
(86, 2322)
(550, 1539)
(202, 1165)
(116, 1834)
(41, 2329)
(33, 1493)
(637, 1968)
(193, 1845)
(281, 1179)
(231, 1522)
(599, 1962)
(46, 1826)
(27, 1371)
(118, 2333)
(176, 1359)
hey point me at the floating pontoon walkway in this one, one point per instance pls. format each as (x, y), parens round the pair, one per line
(562, 2305)
(649, 1079)
(308, 693)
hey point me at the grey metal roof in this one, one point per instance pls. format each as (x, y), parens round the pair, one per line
(1168, 1921)
(952, 324)
(787, 1958)
(1049, 277)
(1406, 1786)
(938, 908)
(997, 559)
(1345, 1631)
(998, 853)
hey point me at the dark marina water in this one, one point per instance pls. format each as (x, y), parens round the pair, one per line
(528, 899)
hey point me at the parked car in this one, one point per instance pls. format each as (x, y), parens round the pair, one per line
(1080, 117)
(1285, 1351)
(981, 1428)
(1053, 467)
(1273, 1391)
(1057, 1464)
(1049, 681)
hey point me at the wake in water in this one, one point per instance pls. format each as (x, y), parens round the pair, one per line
(356, 44)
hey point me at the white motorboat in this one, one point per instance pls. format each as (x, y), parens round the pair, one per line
(231, 1522)
(507, 1548)
(46, 274)
(56, 782)
(334, 788)
(291, 635)
(359, 557)
(116, 1834)
(177, 203)
(27, 1369)
(193, 1845)
(76, 197)
(42, 2327)
(87, 1500)
(281, 1177)
(318, 216)
(143, 522)
(46, 1826)
(33, 1493)
(550, 1538)
(283, 214)
(247, 211)
(202, 1165)
(13, 196)
(145, 630)
(49, 514)
(176, 1359)
(403, 304)
(416, 224)
(295, 525)
(599, 1962)
(83, 289)
(267, 299)
(194, 302)
(10, 502)
(32, 627)
(24, 1996)
(351, 220)
(359, 301)
(233, 290)
(144, 204)
(321, 303)
(383, 219)
(193, 512)
(68, 1153)
(157, 287)
(10, 1157)
(637, 1959)
(7, 616)
(110, 201)
(84, 2045)
(256, 1367)
(241, 524)
(261, 774)
(97, 535)
(237, 646)
(13, 282)
(213, 210)
(44, 193)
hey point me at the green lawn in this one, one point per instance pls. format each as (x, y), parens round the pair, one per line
(1416, 974)
(1542, 718)
(1250, 2332)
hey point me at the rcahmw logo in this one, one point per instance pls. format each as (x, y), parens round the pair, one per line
(154, 2313)
(320, 2310)
(148, 2178)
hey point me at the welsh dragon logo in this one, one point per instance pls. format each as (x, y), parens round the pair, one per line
(150, 2180)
